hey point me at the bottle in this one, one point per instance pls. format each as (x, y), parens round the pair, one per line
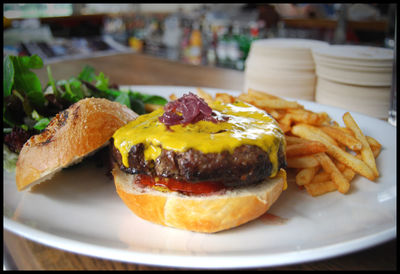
(195, 45)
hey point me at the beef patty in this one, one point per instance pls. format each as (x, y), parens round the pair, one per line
(246, 165)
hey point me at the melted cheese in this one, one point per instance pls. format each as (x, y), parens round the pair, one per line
(246, 125)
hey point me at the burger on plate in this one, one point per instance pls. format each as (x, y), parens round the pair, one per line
(198, 167)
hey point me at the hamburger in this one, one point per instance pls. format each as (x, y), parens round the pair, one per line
(198, 167)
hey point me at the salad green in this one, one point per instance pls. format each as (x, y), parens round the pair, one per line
(28, 107)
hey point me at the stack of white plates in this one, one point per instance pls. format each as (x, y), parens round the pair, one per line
(357, 78)
(283, 67)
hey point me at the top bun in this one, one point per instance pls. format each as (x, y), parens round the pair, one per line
(73, 134)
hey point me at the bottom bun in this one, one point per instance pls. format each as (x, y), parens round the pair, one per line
(208, 214)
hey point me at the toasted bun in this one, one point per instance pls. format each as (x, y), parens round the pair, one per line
(73, 134)
(206, 214)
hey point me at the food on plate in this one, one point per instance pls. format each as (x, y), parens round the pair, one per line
(72, 134)
(200, 167)
(325, 155)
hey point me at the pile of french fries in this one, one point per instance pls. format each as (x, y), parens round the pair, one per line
(325, 156)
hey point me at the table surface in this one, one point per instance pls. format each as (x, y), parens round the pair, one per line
(136, 69)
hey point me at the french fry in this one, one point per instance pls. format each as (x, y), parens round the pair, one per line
(302, 162)
(317, 189)
(337, 177)
(305, 116)
(321, 176)
(366, 152)
(342, 156)
(342, 137)
(277, 103)
(312, 133)
(311, 147)
(348, 173)
(286, 120)
(305, 175)
(265, 100)
(375, 146)
(261, 94)
(224, 97)
(285, 128)
(205, 95)
(294, 140)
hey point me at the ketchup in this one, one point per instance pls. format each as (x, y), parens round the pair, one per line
(205, 188)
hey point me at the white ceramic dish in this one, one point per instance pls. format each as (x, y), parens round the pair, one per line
(372, 101)
(354, 77)
(79, 211)
(355, 53)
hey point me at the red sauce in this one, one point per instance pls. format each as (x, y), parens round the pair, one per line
(185, 187)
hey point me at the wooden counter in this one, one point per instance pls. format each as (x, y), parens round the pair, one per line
(134, 69)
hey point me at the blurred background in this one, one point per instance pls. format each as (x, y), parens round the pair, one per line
(200, 34)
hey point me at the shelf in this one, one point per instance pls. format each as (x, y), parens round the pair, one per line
(379, 26)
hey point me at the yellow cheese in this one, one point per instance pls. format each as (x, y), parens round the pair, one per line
(246, 125)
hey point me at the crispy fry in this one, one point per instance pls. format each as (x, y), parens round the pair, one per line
(312, 133)
(342, 137)
(268, 101)
(260, 94)
(302, 162)
(321, 176)
(305, 175)
(224, 97)
(375, 146)
(348, 159)
(366, 152)
(311, 147)
(285, 128)
(173, 97)
(348, 173)
(306, 116)
(295, 140)
(205, 95)
(337, 177)
(317, 189)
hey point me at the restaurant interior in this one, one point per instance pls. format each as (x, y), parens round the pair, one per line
(201, 34)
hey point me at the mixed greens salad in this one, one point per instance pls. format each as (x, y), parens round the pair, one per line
(28, 107)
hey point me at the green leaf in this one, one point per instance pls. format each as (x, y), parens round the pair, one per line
(52, 82)
(26, 81)
(124, 99)
(87, 74)
(31, 62)
(155, 99)
(8, 76)
(73, 93)
(7, 118)
(76, 88)
(102, 81)
(7, 130)
(137, 106)
(42, 124)
(148, 99)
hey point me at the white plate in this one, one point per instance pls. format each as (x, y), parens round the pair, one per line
(372, 101)
(355, 53)
(79, 211)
